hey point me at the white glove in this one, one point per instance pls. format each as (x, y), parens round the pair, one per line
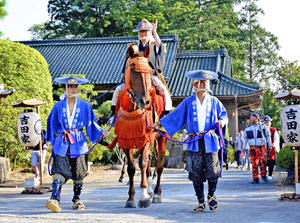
(111, 120)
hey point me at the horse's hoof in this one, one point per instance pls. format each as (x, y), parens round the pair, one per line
(156, 199)
(122, 180)
(144, 203)
(130, 204)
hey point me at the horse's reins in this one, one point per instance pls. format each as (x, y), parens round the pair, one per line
(101, 95)
(199, 136)
(78, 155)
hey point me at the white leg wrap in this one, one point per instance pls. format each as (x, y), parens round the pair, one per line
(149, 190)
(158, 84)
(144, 194)
(156, 195)
(168, 100)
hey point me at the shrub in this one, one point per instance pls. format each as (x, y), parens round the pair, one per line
(230, 154)
(24, 69)
(286, 158)
(104, 109)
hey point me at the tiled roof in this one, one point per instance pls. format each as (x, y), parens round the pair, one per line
(100, 59)
(227, 86)
(215, 60)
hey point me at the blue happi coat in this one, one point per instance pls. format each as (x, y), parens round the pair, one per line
(57, 123)
(186, 113)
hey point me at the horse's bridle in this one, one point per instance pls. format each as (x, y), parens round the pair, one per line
(138, 64)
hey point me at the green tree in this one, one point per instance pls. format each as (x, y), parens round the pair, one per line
(261, 46)
(82, 18)
(21, 68)
(271, 107)
(39, 32)
(220, 28)
(105, 109)
(288, 74)
(95, 18)
(199, 24)
(2, 11)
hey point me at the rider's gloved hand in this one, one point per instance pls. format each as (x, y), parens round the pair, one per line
(111, 120)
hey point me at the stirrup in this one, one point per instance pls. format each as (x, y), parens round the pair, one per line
(199, 208)
(53, 205)
(212, 202)
(78, 205)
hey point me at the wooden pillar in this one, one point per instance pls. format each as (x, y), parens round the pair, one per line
(236, 116)
(41, 152)
(296, 165)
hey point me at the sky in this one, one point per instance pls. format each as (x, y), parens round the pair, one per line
(281, 18)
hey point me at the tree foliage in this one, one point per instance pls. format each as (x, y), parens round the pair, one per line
(39, 31)
(2, 11)
(288, 75)
(202, 24)
(199, 24)
(271, 107)
(220, 28)
(286, 158)
(261, 46)
(24, 69)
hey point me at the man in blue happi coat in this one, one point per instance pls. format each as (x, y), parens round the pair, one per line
(65, 126)
(200, 112)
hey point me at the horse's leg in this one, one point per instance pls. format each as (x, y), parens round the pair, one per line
(159, 169)
(154, 173)
(131, 171)
(143, 162)
(148, 174)
(155, 157)
(121, 179)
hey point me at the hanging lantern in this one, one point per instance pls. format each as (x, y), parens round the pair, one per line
(290, 125)
(29, 128)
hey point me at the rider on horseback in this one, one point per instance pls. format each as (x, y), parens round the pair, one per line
(148, 37)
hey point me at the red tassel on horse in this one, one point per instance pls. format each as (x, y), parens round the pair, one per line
(131, 129)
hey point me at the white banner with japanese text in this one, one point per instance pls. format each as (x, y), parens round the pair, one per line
(290, 125)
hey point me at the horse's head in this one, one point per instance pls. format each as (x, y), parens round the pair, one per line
(138, 77)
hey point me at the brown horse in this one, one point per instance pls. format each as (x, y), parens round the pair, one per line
(135, 108)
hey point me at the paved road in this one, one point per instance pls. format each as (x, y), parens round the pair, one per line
(240, 202)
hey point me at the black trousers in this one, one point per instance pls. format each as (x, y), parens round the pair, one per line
(271, 164)
(71, 168)
(237, 157)
(203, 166)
